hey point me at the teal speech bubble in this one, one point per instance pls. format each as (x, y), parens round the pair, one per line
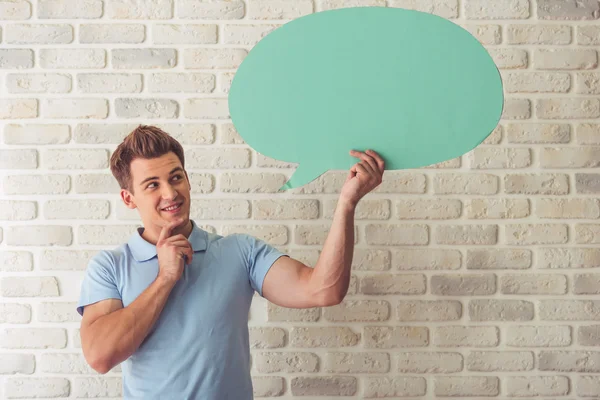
(414, 87)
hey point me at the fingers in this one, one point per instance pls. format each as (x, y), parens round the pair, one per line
(167, 227)
(366, 159)
(378, 159)
(184, 248)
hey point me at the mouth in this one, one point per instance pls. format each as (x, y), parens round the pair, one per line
(173, 208)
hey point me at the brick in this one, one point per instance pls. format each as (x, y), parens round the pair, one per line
(463, 284)
(76, 209)
(588, 335)
(356, 363)
(491, 158)
(570, 157)
(309, 235)
(268, 386)
(97, 387)
(109, 83)
(69, 9)
(539, 133)
(569, 258)
(328, 182)
(285, 362)
(313, 337)
(273, 234)
(184, 34)
(569, 361)
(39, 235)
(358, 311)
(72, 58)
(12, 364)
(485, 34)
(246, 34)
(568, 108)
(568, 208)
(392, 387)
(307, 256)
(587, 83)
(206, 109)
(497, 208)
(426, 259)
(472, 184)
(588, 35)
(285, 209)
(538, 336)
(568, 9)
(401, 182)
(38, 83)
(539, 284)
(219, 10)
(371, 260)
(112, 33)
(95, 183)
(267, 162)
(516, 109)
(279, 9)
(457, 162)
(569, 59)
(18, 108)
(485, 259)
(181, 83)
(586, 284)
(335, 4)
(218, 158)
(151, 58)
(76, 108)
(11, 210)
(587, 233)
(428, 209)
(520, 386)
(532, 234)
(146, 108)
(213, 58)
(14, 313)
(324, 386)
(16, 58)
(457, 386)
(488, 9)
(58, 312)
(29, 286)
(493, 138)
(545, 184)
(14, 10)
(229, 134)
(36, 184)
(500, 310)
(276, 313)
(105, 234)
(428, 310)
(36, 134)
(429, 362)
(380, 234)
(588, 386)
(538, 34)
(16, 261)
(466, 234)
(33, 338)
(64, 363)
(220, 209)
(267, 338)
(73, 158)
(509, 58)
(392, 337)
(140, 9)
(492, 361)
(65, 260)
(16, 388)
(38, 34)
(366, 209)
(537, 82)
(382, 284)
(569, 310)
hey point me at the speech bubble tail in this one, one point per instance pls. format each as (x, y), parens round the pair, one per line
(301, 177)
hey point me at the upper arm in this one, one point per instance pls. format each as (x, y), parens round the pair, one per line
(288, 284)
(91, 314)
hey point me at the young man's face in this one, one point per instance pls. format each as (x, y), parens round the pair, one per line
(158, 184)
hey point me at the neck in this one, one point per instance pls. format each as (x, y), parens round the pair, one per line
(152, 232)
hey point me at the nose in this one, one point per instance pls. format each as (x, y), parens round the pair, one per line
(168, 192)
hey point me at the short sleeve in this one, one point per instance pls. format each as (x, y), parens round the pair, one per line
(261, 257)
(99, 281)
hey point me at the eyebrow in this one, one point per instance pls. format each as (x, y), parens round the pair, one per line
(156, 177)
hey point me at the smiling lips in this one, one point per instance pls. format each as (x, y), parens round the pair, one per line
(172, 208)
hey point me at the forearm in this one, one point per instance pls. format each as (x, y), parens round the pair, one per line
(118, 335)
(331, 275)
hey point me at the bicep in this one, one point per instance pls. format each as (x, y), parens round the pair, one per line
(288, 284)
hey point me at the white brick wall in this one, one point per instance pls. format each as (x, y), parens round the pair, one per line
(473, 278)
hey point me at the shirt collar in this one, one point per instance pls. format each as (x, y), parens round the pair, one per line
(143, 250)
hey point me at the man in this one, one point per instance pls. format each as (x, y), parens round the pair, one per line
(172, 303)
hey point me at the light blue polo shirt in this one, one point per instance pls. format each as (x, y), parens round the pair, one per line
(199, 346)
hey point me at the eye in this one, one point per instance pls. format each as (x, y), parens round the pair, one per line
(150, 185)
(178, 177)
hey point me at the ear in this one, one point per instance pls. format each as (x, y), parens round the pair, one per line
(127, 198)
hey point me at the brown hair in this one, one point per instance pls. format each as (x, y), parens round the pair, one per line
(145, 141)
